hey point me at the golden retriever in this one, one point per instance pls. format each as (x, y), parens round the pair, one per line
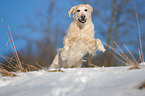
(79, 39)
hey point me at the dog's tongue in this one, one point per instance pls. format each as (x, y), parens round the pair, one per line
(83, 20)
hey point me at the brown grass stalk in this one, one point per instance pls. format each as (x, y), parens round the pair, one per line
(8, 36)
(12, 45)
(94, 65)
(9, 62)
(122, 56)
(140, 42)
(38, 65)
(11, 68)
(128, 61)
(14, 64)
(6, 73)
(139, 53)
(136, 63)
(127, 58)
(118, 58)
(17, 57)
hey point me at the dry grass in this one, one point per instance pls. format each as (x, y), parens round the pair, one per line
(140, 42)
(4, 72)
(55, 70)
(14, 63)
(13, 66)
(122, 57)
(141, 85)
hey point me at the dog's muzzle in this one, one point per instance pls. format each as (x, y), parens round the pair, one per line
(83, 19)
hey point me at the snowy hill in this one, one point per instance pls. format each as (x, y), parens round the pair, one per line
(109, 81)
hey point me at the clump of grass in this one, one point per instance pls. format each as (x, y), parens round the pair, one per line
(4, 72)
(59, 70)
(134, 67)
(142, 85)
(122, 57)
(140, 42)
(14, 63)
(126, 59)
(12, 66)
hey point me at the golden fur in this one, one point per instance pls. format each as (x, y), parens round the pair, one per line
(78, 41)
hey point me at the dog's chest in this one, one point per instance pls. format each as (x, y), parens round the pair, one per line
(85, 32)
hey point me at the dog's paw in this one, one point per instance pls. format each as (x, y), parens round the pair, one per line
(102, 50)
(100, 46)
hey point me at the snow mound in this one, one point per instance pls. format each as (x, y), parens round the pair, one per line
(143, 63)
(107, 81)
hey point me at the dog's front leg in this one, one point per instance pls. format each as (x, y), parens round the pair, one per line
(100, 46)
(91, 46)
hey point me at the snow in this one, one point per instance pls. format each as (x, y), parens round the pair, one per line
(105, 81)
(143, 63)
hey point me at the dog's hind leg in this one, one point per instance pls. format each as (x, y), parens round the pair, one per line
(90, 59)
(57, 62)
(78, 64)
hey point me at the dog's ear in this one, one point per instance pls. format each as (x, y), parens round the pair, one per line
(72, 10)
(90, 7)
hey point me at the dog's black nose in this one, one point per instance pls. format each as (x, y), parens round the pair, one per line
(83, 16)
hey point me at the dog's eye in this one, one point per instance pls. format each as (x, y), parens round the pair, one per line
(86, 10)
(78, 10)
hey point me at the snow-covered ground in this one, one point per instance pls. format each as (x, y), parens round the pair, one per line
(109, 81)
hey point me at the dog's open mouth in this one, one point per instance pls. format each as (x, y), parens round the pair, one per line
(82, 20)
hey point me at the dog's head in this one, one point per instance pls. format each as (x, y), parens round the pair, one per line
(81, 13)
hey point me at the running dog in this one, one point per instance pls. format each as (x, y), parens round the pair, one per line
(79, 39)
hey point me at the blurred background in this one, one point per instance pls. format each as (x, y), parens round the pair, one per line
(39, 26)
